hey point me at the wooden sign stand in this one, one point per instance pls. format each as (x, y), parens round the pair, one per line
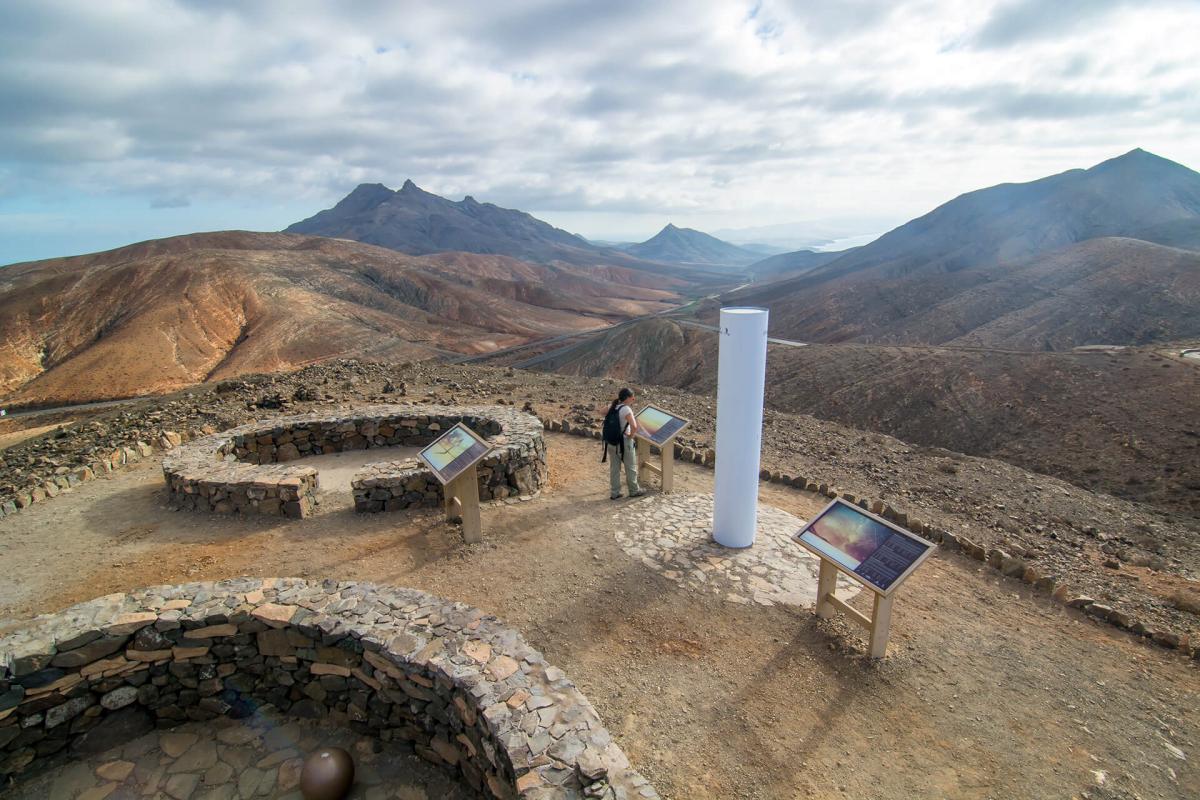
(665, 469)
(654, 419)
(460, 493)
(879, 623)
(462, 502)
(882, 570)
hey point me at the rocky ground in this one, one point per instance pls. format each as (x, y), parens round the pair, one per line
(1140, 560)
(1118, 421)
(989, 690)
(227, 759)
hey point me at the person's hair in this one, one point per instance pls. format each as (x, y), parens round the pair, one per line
(622, 396)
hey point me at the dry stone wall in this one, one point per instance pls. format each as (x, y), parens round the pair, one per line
(515, 468)
(37, 489)
(246, 469)
(465, 692)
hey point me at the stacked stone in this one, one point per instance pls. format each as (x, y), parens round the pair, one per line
(1010, 565)
(467, 693)
(66, 478)
(516, 467)
(244, 469)
(244, 488)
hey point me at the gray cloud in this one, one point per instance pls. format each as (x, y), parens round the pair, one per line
(734, 113)
(1018, 21)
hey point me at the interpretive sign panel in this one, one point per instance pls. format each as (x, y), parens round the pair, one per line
(877, 553)
(453, 452)
(658, 426)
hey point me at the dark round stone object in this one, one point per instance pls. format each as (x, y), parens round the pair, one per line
(327, 774)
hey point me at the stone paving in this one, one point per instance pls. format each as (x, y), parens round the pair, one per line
(672, 535)
(225, 759)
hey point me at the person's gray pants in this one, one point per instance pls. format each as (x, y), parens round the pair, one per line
(631, 468)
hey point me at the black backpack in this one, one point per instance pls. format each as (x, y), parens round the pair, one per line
(611, 433)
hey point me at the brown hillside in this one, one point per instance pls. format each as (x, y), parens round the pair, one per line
(1072, 259)
(1122, 422)
(159, 315)
(1103, 291)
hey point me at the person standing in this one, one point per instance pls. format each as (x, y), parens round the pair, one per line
(620, 428)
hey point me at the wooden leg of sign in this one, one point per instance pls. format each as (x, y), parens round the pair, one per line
(453, 506)
(664, 469)
(881, 623)
(826, 585)
(468, 493)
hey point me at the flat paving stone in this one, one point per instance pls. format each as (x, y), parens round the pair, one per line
(672, 535)
(205, 768)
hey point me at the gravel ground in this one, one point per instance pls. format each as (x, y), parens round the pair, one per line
(1140, 560)
(989, 691)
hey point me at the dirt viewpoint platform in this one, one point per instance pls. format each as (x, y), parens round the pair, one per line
(989, 690)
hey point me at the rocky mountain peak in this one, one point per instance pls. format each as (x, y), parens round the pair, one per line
(364, 197)
(418, 222)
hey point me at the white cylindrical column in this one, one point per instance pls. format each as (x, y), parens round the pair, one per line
(741, 376)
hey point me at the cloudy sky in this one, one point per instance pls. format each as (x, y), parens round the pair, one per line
(128, 119)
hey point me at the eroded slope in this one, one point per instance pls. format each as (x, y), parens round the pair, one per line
(160, 315)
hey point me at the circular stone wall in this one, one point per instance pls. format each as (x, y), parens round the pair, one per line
(245, 469)
(466, 692)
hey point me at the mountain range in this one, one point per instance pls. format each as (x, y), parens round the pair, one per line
(168, 313)
(412, 220)
(1095, 256)
(960, 330)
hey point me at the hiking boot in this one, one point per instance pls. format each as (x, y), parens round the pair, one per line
(638, 493)
(615, 496)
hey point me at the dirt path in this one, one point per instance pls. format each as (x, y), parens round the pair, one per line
(988, 692)
(9, 438)
(336, 471)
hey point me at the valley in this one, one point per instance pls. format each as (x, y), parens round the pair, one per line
(157, 316)
(1038, 323)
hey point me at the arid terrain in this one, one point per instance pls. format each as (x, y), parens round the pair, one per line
(1119, 421)
(1095, 256)
(1065, 530)
(989, 691)
(1106, 290)
(687, 246)
(1038, 389)
(321, 327)
(159, 315)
